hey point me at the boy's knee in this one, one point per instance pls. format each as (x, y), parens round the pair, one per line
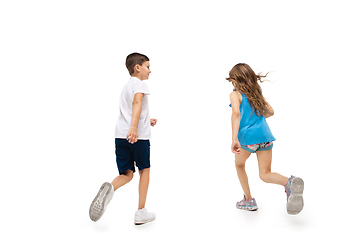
(145, 170)
(129, 174)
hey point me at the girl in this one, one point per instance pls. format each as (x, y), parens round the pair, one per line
(251, 134)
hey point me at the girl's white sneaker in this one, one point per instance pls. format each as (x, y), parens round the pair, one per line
(143, 216)
(294, 189)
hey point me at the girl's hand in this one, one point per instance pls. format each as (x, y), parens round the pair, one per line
(153, 122)
(235, 147)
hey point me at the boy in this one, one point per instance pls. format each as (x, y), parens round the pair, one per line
(132, 136)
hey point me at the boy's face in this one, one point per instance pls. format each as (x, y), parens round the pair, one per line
(143, 70)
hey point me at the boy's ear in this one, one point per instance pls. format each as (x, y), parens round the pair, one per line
(136, 68)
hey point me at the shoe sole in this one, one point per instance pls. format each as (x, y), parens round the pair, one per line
(97, 207)
(143, 222)
(296, 201)
(248, 208)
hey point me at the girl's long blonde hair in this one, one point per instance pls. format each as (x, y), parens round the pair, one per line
(245, 80)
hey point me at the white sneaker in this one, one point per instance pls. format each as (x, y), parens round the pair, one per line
(143, 216)
(102, 199)
(294, 189)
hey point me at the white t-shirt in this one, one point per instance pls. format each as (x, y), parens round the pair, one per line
(133, 86)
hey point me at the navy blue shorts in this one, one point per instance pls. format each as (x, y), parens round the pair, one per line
(127, 154)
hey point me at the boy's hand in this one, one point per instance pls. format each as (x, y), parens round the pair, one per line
(153, 122)
(132, 135)
(235, 147)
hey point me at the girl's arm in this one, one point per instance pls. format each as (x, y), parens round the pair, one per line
(235, 99)
(269, 111)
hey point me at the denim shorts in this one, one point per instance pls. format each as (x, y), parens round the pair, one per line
(127, 154)
(258, 147)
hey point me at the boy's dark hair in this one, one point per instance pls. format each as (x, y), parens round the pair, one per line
(134, 59)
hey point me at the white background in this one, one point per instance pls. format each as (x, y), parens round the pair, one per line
(62, 67)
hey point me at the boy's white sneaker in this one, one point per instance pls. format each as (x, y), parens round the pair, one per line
(100, 202)
(143, 216)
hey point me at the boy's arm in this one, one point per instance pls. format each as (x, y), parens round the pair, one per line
(133, 135)
(235, 121)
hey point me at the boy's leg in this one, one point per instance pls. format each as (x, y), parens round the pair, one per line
(122, 179)
(240, 160)
(264, 160)
(142, 215)
(143, 186)
(141, 154)
(124, 162)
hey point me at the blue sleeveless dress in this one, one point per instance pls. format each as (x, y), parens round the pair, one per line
(253, 128)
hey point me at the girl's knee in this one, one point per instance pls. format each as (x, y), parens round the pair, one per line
(263, 175)
(239, 164)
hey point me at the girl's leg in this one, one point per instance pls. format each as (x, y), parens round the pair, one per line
(240, 160)
(122, 179)
(264, 159)
(143, 186)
